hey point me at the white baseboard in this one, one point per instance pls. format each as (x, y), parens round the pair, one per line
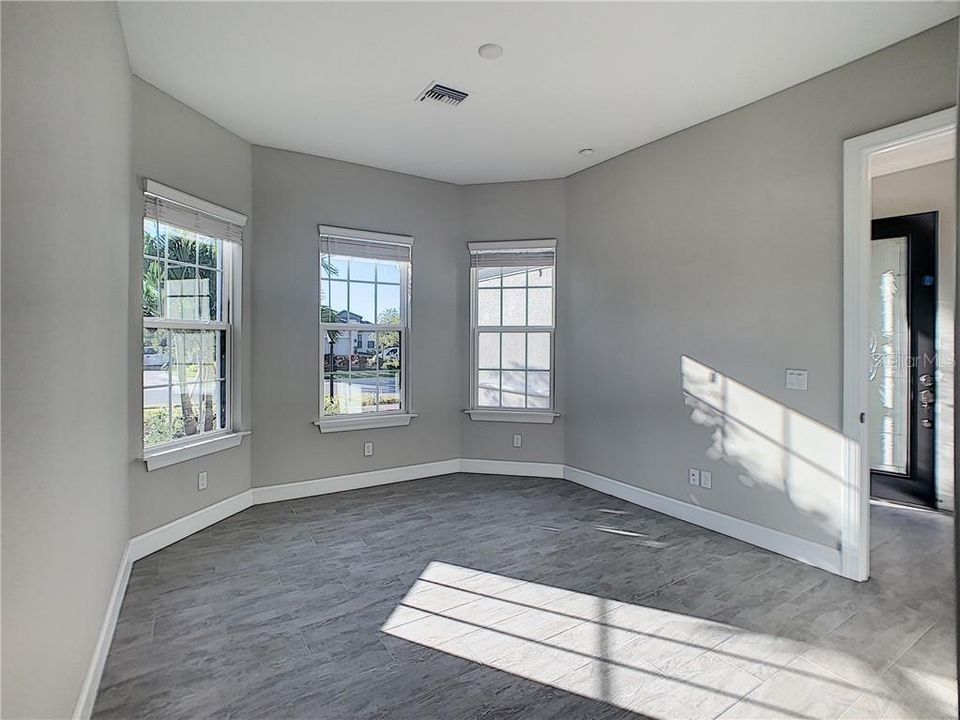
(91, 682)
(821, 556)
(158, 538)
(137, 548)
(149, 542)
(511, 467)
(353, 481)
(800, 549)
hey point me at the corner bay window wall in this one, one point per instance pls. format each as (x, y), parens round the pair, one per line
(513, 299)
(191, 260)
(364, 325)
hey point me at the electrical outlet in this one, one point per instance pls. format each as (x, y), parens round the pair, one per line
(706, 479)
(202, 481)
(694, 476)
(368, 449)
(517, 441)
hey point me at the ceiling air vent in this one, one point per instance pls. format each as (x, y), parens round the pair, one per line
(442, 94)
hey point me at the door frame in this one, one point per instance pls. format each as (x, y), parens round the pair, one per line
(858, 155)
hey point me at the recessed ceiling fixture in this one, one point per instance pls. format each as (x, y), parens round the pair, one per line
(442, 94)
(586, 151)
(490, 51)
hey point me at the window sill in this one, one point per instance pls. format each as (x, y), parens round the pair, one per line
(545, 417)
(164, 458)
(364, 423)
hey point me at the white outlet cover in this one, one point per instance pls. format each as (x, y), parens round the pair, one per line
(202, 481)
(517, 441)
(367, 449)
(693, 476)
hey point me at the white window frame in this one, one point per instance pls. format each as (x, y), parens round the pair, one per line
(381, 418)
(502, 414)
(203, 443)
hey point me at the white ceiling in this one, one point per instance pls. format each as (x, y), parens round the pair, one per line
(341, 79)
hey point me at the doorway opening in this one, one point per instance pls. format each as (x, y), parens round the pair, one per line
(904, 382)
(899, 271)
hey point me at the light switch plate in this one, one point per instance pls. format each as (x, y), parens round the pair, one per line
(517, 441)
(796, 379)
(202, 481)
(367, 449)
(706, 479)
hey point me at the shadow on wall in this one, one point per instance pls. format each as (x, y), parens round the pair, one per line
(768, 444)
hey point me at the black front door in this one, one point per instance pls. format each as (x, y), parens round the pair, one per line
(902, 391)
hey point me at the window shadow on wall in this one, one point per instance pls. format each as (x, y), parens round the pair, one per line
(768, 444)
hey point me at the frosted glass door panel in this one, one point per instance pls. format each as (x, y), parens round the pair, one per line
(889, 386)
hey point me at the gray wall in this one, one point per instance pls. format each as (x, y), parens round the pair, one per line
(292, 193)
(724, 243)
(177, 146)
(924, 189)
(513, 211)
(66, 222)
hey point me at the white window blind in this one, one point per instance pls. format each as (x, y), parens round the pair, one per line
(167, 206)
(526, 253)
(367, 249)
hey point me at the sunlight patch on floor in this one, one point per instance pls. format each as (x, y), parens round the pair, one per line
(645, 659)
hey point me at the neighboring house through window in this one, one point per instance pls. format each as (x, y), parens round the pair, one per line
(191, 299)
(513, 323)
(364, 328)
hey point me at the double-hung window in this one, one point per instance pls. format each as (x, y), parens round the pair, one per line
(364, 329)
(512, 339)
(191, 301)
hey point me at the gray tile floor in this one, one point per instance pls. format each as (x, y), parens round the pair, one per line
(470, 596)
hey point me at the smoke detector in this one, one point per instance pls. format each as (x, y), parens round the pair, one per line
(442, 94)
